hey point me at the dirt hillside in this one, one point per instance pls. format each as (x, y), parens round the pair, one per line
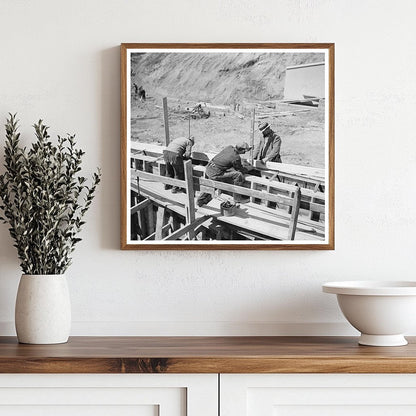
(224, 80)
(216, 77)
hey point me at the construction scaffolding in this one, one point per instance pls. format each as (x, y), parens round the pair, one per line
(283, 206)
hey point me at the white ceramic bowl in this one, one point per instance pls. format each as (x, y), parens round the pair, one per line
(381, 311)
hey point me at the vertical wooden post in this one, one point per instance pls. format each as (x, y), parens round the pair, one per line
(142, 223)
(140, 214)
(160, 223)
(190, 193)
(253, 186)
(150, 219)
(189, 126)
(294, 217)
(175, 223)
(253, 118)
(166, 120)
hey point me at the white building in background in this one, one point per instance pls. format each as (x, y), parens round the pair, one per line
(305, 81)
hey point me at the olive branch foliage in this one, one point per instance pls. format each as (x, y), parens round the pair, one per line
(44, 198)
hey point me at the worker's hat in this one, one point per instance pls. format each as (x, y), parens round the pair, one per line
(263, 126)
(243, 146)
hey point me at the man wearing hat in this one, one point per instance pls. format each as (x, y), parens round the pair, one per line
(177, 150)
(226, 166)
(268, 149)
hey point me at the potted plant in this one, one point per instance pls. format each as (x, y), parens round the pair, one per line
(43, 198)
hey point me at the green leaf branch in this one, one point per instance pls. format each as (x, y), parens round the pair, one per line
(44, 198)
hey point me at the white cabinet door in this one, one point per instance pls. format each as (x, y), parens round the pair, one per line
(108, 395)
(318, 394)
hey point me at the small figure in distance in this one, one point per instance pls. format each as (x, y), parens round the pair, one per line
(174, 155)
(268, 148)
(142, 94)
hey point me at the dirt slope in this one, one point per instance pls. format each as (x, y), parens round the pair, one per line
(216, 77)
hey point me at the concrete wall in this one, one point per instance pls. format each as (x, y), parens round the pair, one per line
(60, 61)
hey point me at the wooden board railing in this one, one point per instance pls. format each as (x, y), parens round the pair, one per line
(270, 191)
(292, 200)
(310, 200)
(302, 171)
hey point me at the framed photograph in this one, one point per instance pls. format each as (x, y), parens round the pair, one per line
(227, 146)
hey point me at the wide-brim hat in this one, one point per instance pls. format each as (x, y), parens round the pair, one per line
(263, 126)
(243, 146)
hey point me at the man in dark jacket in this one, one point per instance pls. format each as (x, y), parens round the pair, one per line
(177, 150)
(226, 166)
(268, 149)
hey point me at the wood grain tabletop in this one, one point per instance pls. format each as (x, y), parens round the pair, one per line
(206, 355)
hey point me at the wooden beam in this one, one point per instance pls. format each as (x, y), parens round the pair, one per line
(140, 206)
(280, 199)
(157, 178)
(166, 120)
(160, 223)
(142, 223)
(267, 182)
(185, 229)
(253, 118)
(150, 219)
(190, 201)
(294, 217)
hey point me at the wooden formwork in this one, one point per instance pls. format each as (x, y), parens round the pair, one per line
(295, 212)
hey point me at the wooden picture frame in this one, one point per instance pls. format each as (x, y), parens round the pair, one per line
(211, 91)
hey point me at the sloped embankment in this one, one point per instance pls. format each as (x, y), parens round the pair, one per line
(215, 77)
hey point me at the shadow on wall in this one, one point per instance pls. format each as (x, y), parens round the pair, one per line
(266, 317)
(109, 98)
(9, 279)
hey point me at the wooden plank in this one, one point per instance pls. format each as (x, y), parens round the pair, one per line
(160, 218)
(166, 120)
(142, 222)
(150, 219)
(185, 229)
(190, 205)
(196, 354)
(145, 158)
(253, 119)
(295, 214)
(248, 192)
(157, 178)
(136, 232)
(159, 160)
(139, 206)
(301, 180)
(281, 186)
(175, 224)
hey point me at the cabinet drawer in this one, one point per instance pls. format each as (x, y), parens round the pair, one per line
(108, 395)
(318, 394)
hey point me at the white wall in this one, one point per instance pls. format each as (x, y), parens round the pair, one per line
(60, 61)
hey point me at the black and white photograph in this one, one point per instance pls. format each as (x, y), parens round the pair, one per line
(227, 147)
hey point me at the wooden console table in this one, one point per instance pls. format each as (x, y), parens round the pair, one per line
(206, 376)
(114, 355)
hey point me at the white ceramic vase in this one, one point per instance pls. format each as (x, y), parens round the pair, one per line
(43, 309)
